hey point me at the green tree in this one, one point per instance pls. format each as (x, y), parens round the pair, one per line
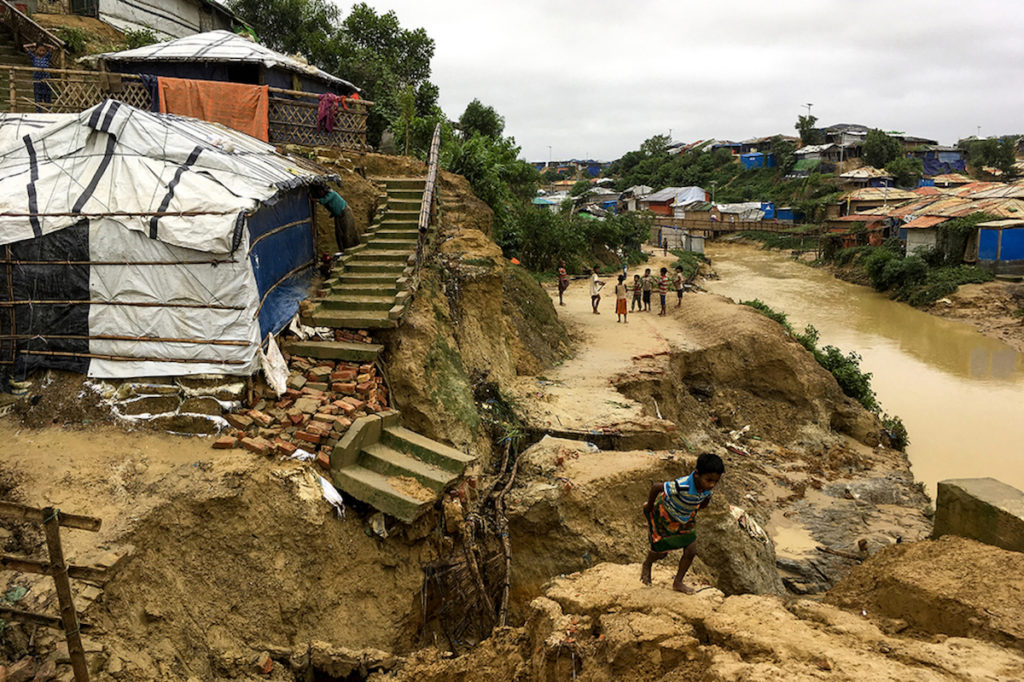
(782, 150)
(808, 133)
(480, 119)
(655, 145)
(905, 171)
(879, 149)
(995, 152)
(407, 109)
(579, 188)
(306, 27)
(550, 175)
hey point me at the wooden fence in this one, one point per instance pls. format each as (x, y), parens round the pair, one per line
(292, 114)
(57, 568)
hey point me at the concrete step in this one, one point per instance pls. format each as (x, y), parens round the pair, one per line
(395, 204)
(352, 319)
(388, 244)
(358, 302)
(385, 256)
(335, 350)
(390, 462)
(413, 194)
(430, 451)
(394, 268)
(374, 489)
(401, 216)
(369, 278)
(392, 233)
(374, 289)
(403, 183)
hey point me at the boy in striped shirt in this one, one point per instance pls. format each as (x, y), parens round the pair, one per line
(671, 512)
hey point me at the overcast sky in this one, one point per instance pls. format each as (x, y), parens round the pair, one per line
(597, 78)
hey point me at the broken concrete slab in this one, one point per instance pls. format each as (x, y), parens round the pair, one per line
(982, 509)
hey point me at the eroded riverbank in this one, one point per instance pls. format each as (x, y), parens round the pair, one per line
(959, 392)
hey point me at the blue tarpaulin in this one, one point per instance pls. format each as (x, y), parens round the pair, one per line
(281, 252)
(988, 245)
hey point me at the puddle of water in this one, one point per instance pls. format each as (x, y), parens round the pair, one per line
(959, 393)
(791, 538)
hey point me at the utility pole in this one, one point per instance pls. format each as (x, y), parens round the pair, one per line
(809, 105)
(979, 133)
(549, 155)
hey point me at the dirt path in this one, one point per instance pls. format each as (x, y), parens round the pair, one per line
(578, 394)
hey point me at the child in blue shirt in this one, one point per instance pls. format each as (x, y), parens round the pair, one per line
(671, 512)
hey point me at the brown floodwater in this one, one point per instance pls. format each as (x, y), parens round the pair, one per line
(959, 393)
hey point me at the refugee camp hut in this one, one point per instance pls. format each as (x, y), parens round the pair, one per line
(225, 56)
(167, 18)
(1001, 246)
(138, 244)
(227, 78)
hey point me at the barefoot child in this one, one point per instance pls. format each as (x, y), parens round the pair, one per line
(563, 281)
(679, 281)
(620, 299)
(648, 284)
(595, 290)
(671, 512)
(637, 301)
(663, 289)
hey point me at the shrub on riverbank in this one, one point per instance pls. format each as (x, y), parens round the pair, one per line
(845, 367)
(689, 261)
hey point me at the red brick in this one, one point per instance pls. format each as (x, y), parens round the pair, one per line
(313, 393)
(319, 428)
(317, 386)
(347, 408)
(324, 417)
(363, 378)
(261, 417)
(225, 443)
(324, 460)
(346, 387)
(292, 394)
(265, 664)
(344, 375)
(239, 421)
(329, 408)
(364, 387)
(257, 445)
(355, 402)
(313, 438)
(364, 369)
(284, 448)
(341, 426)
(296, 419)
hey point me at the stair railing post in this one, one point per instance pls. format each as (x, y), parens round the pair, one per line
(68, 615)
(13, 91)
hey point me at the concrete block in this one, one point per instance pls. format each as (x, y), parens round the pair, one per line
(982, 509)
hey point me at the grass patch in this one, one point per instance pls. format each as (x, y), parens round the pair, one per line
(689, 261)
(780, 240)
(845, 367)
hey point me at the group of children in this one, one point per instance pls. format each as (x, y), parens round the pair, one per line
(641, 289)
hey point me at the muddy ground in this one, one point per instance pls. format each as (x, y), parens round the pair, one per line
(226, 563)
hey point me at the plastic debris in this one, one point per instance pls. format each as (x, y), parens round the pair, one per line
(748, 524)
(332, 496)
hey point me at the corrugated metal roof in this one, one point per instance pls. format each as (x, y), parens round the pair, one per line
(879, 194)
(925, 221)
(999, 224)
(950, 178)
(218, 46)
(865, 173)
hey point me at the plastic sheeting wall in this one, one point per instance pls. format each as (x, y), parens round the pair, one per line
(988, 245)
(282, 257)
(176, 18)
(1012, 247)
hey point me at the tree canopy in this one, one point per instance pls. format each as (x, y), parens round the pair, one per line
(879, 148)
(995, 152)
(480, 119)
(369, 49)
(808, 133)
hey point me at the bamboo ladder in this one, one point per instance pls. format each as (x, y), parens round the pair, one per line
(52, 519)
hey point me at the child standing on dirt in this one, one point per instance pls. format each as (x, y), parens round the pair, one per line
(620, 299)
(679, 281)
(663, 289)
(563, 281)
(637, 301)
(671, 512)
(595, 290)
(648, 284)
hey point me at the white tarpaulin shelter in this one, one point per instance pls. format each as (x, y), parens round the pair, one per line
(676, 195)
(141, 244)
(218, 47)
(750, 210)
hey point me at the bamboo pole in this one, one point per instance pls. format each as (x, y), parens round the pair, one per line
(34, 618)
(293, 271)
(42, 568)
(129, 358)
(92, 263)
(127, 304)
(68, 616)
(117, 214)
(114, 337)
(12, 88)
(20, 512)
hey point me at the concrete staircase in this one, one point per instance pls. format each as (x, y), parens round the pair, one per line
(367, 288)
(396, 470)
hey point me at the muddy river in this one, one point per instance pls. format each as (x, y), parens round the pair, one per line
(959, 393)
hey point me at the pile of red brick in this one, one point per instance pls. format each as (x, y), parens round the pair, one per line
(323, 399)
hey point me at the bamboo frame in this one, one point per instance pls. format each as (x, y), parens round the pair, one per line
(130, 304)
(117, 214)
(92, 263)
(129, 358)
(58, 569)
(293, 271)
(279, 228)
(43, 568)
(115, 337)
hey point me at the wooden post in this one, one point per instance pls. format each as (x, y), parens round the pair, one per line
(68, 616)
